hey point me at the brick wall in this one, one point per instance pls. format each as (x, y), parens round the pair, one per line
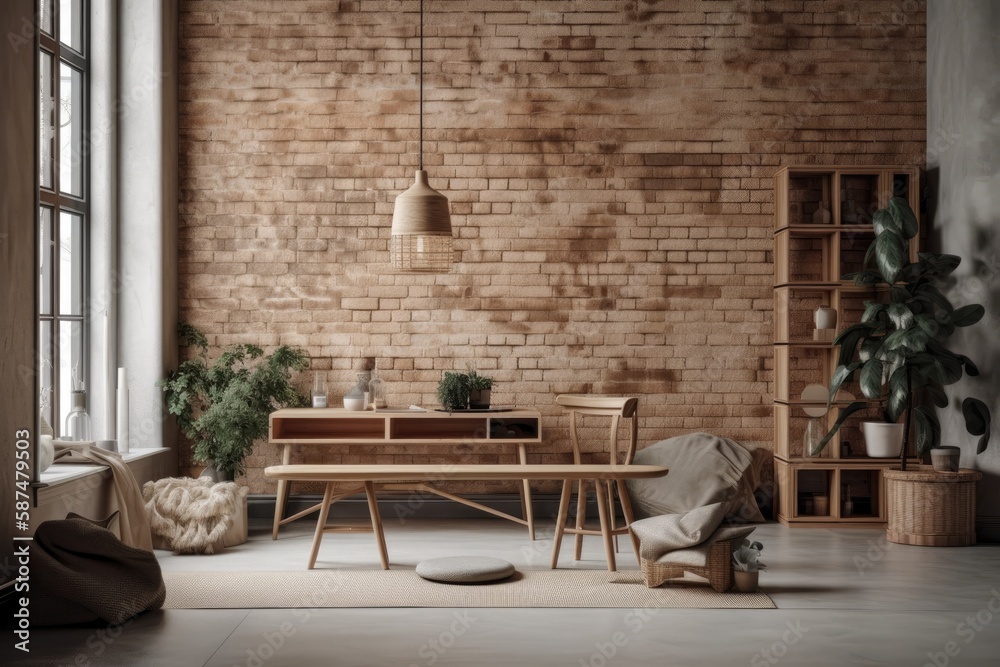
(609, 169)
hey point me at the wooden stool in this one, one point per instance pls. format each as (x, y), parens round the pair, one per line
(617, 408)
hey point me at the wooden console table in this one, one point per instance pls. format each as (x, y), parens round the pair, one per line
(330, 427)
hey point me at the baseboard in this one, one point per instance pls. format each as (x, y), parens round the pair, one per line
(988, 529)
(417, 506)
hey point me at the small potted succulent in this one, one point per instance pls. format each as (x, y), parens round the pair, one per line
(480, 388)
(747, 566)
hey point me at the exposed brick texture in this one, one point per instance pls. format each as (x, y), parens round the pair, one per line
(609, 169)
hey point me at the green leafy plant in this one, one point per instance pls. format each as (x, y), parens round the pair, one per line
(479, 382)
(453, 391)
(898, 347)
(746, 558)
(222, 406)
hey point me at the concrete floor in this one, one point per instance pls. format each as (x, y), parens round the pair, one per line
(844, 597)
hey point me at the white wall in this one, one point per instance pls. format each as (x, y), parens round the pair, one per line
(963, 161)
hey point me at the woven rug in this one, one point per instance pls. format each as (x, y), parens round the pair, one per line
(403, 588)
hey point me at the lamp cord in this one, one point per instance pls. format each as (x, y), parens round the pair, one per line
(421, 157)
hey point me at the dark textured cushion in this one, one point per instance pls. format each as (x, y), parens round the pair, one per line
(83, 572)
(465, 569)
(704, 470)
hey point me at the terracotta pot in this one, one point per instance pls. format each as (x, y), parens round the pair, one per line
(883, 441)
(746, 582)
(945, 459)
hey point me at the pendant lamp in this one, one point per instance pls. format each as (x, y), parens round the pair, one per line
(421, 224)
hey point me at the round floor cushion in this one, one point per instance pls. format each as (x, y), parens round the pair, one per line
(465, 569)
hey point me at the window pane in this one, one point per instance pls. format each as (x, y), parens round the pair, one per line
(45, 261)
(71, 24)
(70, 130)
(45, 14)
(70, 264)
(45, 370)
(46, 118)
(71, 366)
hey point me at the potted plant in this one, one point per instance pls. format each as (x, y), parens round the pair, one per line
(480, 388)
(747, 566)
(453, 391)
(899, 346)
(462, 391)
(223, 405)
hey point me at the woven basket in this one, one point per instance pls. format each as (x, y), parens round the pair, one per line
(932, 509)
(718, 569)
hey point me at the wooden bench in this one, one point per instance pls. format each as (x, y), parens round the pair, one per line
(369, 475)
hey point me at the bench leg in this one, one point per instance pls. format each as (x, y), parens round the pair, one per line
(383, 553)
(629, 518)
(567, 492)
(602, 509)
(324, 512)
(526, 511)
(281, 499)
(581, 517)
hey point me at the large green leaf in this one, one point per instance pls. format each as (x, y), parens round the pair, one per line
(936, 328)
(948, 365)
(903, 217)
(977, 421)
(890, 254)
(870, 349)
(966, 316)
(899, 392)
(872, 310)
(937, 265)
(864, 278)
(899, 294)
(970, 368)
(927, 427)
(883, 221)
(841, 418)
(848, 341)
(871, 379)
(938, 397)
(840, 375)
(900, 315)
(931, 294)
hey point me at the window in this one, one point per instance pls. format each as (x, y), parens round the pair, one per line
(63, 215)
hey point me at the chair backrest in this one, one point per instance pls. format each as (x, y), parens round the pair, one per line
(616, 407)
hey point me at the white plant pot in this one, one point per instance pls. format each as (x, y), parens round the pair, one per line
(825, 318)
(883, 441)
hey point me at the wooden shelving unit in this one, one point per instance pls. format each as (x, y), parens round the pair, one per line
(822, 229)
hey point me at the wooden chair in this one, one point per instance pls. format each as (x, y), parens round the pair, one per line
(617, 408)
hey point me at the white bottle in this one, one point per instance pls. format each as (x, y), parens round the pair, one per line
(121, 423)
(319, 392)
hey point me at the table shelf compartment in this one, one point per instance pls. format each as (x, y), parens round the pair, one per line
(513, 429)
(437, 428)
(324, 428)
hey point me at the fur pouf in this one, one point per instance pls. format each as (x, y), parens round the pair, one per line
(192, 514)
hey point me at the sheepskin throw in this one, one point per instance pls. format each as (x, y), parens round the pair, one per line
(192, 515)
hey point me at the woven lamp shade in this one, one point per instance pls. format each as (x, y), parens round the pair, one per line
(421, 229)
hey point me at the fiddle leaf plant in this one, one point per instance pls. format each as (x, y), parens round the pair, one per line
(898, 349)
(222, 406)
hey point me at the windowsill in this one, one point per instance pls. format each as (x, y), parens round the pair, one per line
(60, 473)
